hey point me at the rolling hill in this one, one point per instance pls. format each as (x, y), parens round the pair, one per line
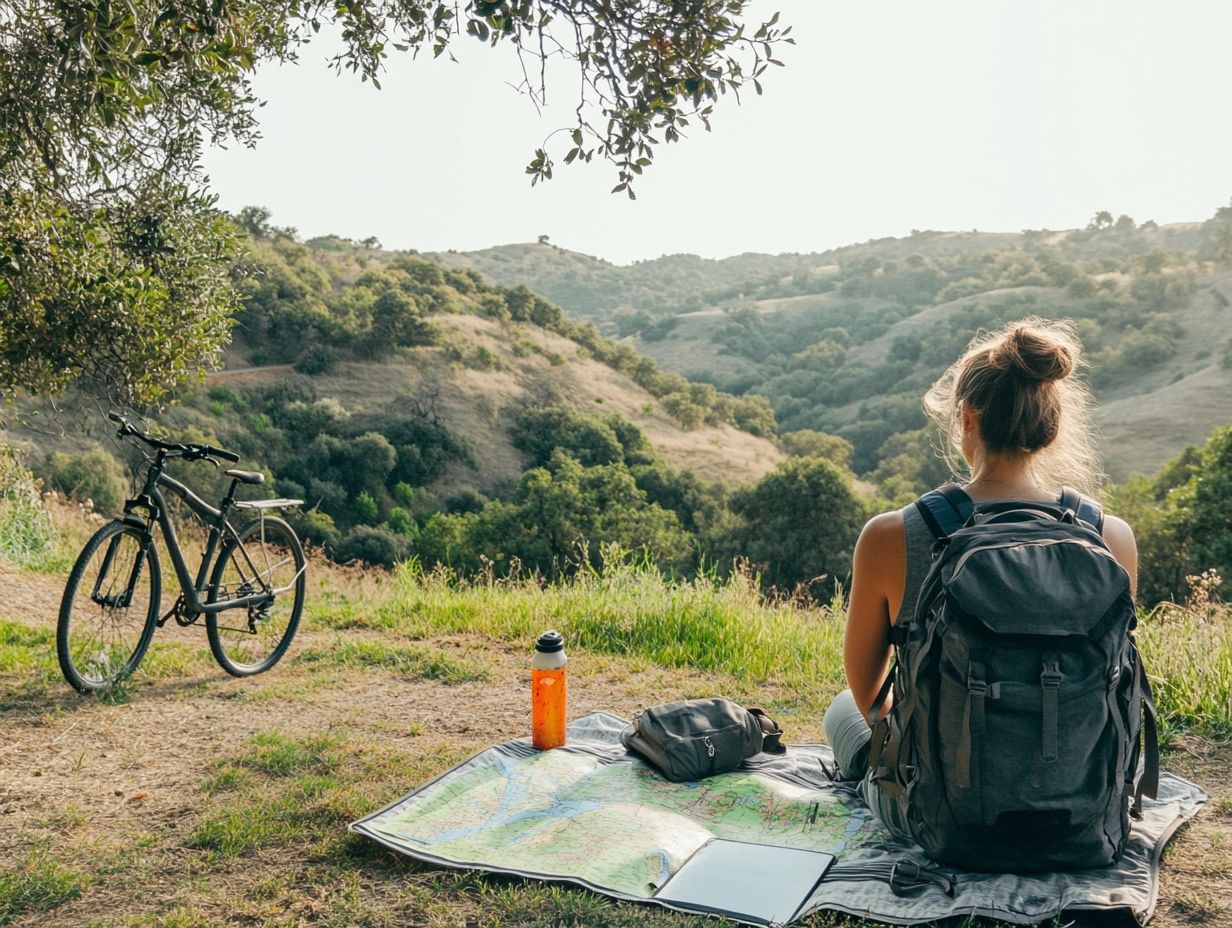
(847, 340)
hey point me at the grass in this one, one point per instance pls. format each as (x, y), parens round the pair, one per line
(30, 654)
(264, 840)
(285, 800)
(300, 793)
(175, 916)
(29, 534)
(26, 531)
(1189, 659)
(37, 883)
(725, 626)
(629, 610)
(26, 650)
(408, 660)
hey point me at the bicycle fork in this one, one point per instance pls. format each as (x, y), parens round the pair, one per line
(124, 598)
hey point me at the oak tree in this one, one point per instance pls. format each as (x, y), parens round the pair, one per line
(115, 266)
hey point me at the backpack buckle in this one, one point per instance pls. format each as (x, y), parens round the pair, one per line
(1051, 676)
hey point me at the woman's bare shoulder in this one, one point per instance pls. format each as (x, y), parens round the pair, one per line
(1116, 528)
(1120, 538)
(882, 534)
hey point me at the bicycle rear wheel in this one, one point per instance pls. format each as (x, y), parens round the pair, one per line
(268, 560)
(109, 609)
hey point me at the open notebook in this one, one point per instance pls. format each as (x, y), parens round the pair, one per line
(759, 884)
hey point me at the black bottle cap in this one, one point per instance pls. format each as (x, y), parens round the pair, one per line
(550, 642)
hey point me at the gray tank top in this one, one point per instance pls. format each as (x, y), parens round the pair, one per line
(919, 559)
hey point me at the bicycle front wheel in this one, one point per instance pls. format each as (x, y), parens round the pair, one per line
(267, 561)
(110, 608)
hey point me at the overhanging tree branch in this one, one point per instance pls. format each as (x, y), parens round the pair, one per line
(105, 106)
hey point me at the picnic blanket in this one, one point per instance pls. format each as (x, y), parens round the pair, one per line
(592, 814)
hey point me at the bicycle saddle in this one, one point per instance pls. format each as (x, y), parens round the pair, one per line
(246, 476)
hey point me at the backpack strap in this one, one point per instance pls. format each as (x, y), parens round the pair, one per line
(1146, 780)
(945, 510)
(1084, 508)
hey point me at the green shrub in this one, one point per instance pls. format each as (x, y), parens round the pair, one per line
(222, 393)
(403, 493)
(402, 522)
(318, 359)
(93, 474)
(814, 444)
(365, 507)
(799, 523)
(314, 526)
(466, 501)
(660, 329)
(542, 430)
(376, 546)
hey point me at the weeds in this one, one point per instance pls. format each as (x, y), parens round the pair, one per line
(303, 791)
(27, 650)
(633, 611)
(26, 532)
(177, 916)
(1189, 658)
(37, 883)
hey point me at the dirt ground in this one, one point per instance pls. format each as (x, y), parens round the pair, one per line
(142, 762)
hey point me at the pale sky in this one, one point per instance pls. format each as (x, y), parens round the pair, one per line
(890, 116)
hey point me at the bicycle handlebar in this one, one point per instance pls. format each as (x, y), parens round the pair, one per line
(190, 452)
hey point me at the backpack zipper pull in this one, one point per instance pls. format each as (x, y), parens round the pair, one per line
(709, 745)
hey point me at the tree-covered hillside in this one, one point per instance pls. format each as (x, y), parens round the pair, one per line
(846, 341)
(422, 412)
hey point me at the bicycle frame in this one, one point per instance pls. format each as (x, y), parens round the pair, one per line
(152, 500)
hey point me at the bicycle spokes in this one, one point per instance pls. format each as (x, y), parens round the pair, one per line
(109, 608)
(263, 574)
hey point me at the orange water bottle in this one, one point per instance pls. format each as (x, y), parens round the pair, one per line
(547, 692)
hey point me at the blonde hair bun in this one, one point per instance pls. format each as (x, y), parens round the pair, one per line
(1020, 380)
(1034, 354)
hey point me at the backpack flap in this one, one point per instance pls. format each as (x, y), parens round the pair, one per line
(1040, 586)
(771, 731)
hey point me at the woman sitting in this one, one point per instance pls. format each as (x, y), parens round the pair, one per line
(1018, 418)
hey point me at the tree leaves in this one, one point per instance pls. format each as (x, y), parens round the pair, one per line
(105, 109)
(124, 300)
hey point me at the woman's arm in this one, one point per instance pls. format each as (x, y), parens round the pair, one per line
(1124, 547)
(879, 566)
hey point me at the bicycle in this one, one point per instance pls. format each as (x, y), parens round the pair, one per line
(111, 602)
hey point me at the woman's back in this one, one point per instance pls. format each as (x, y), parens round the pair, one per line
(1016, 417)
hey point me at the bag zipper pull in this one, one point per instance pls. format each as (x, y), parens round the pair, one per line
(709, 745)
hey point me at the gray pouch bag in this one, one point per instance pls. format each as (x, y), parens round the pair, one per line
(695, 738)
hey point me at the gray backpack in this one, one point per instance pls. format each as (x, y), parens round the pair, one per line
(1020, 702)
(695, 738)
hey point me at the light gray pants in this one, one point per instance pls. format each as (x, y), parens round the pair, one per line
(850, 739)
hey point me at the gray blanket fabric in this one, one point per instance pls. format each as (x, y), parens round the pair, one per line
(593, 815)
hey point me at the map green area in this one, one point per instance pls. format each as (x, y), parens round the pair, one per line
(599, 817)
